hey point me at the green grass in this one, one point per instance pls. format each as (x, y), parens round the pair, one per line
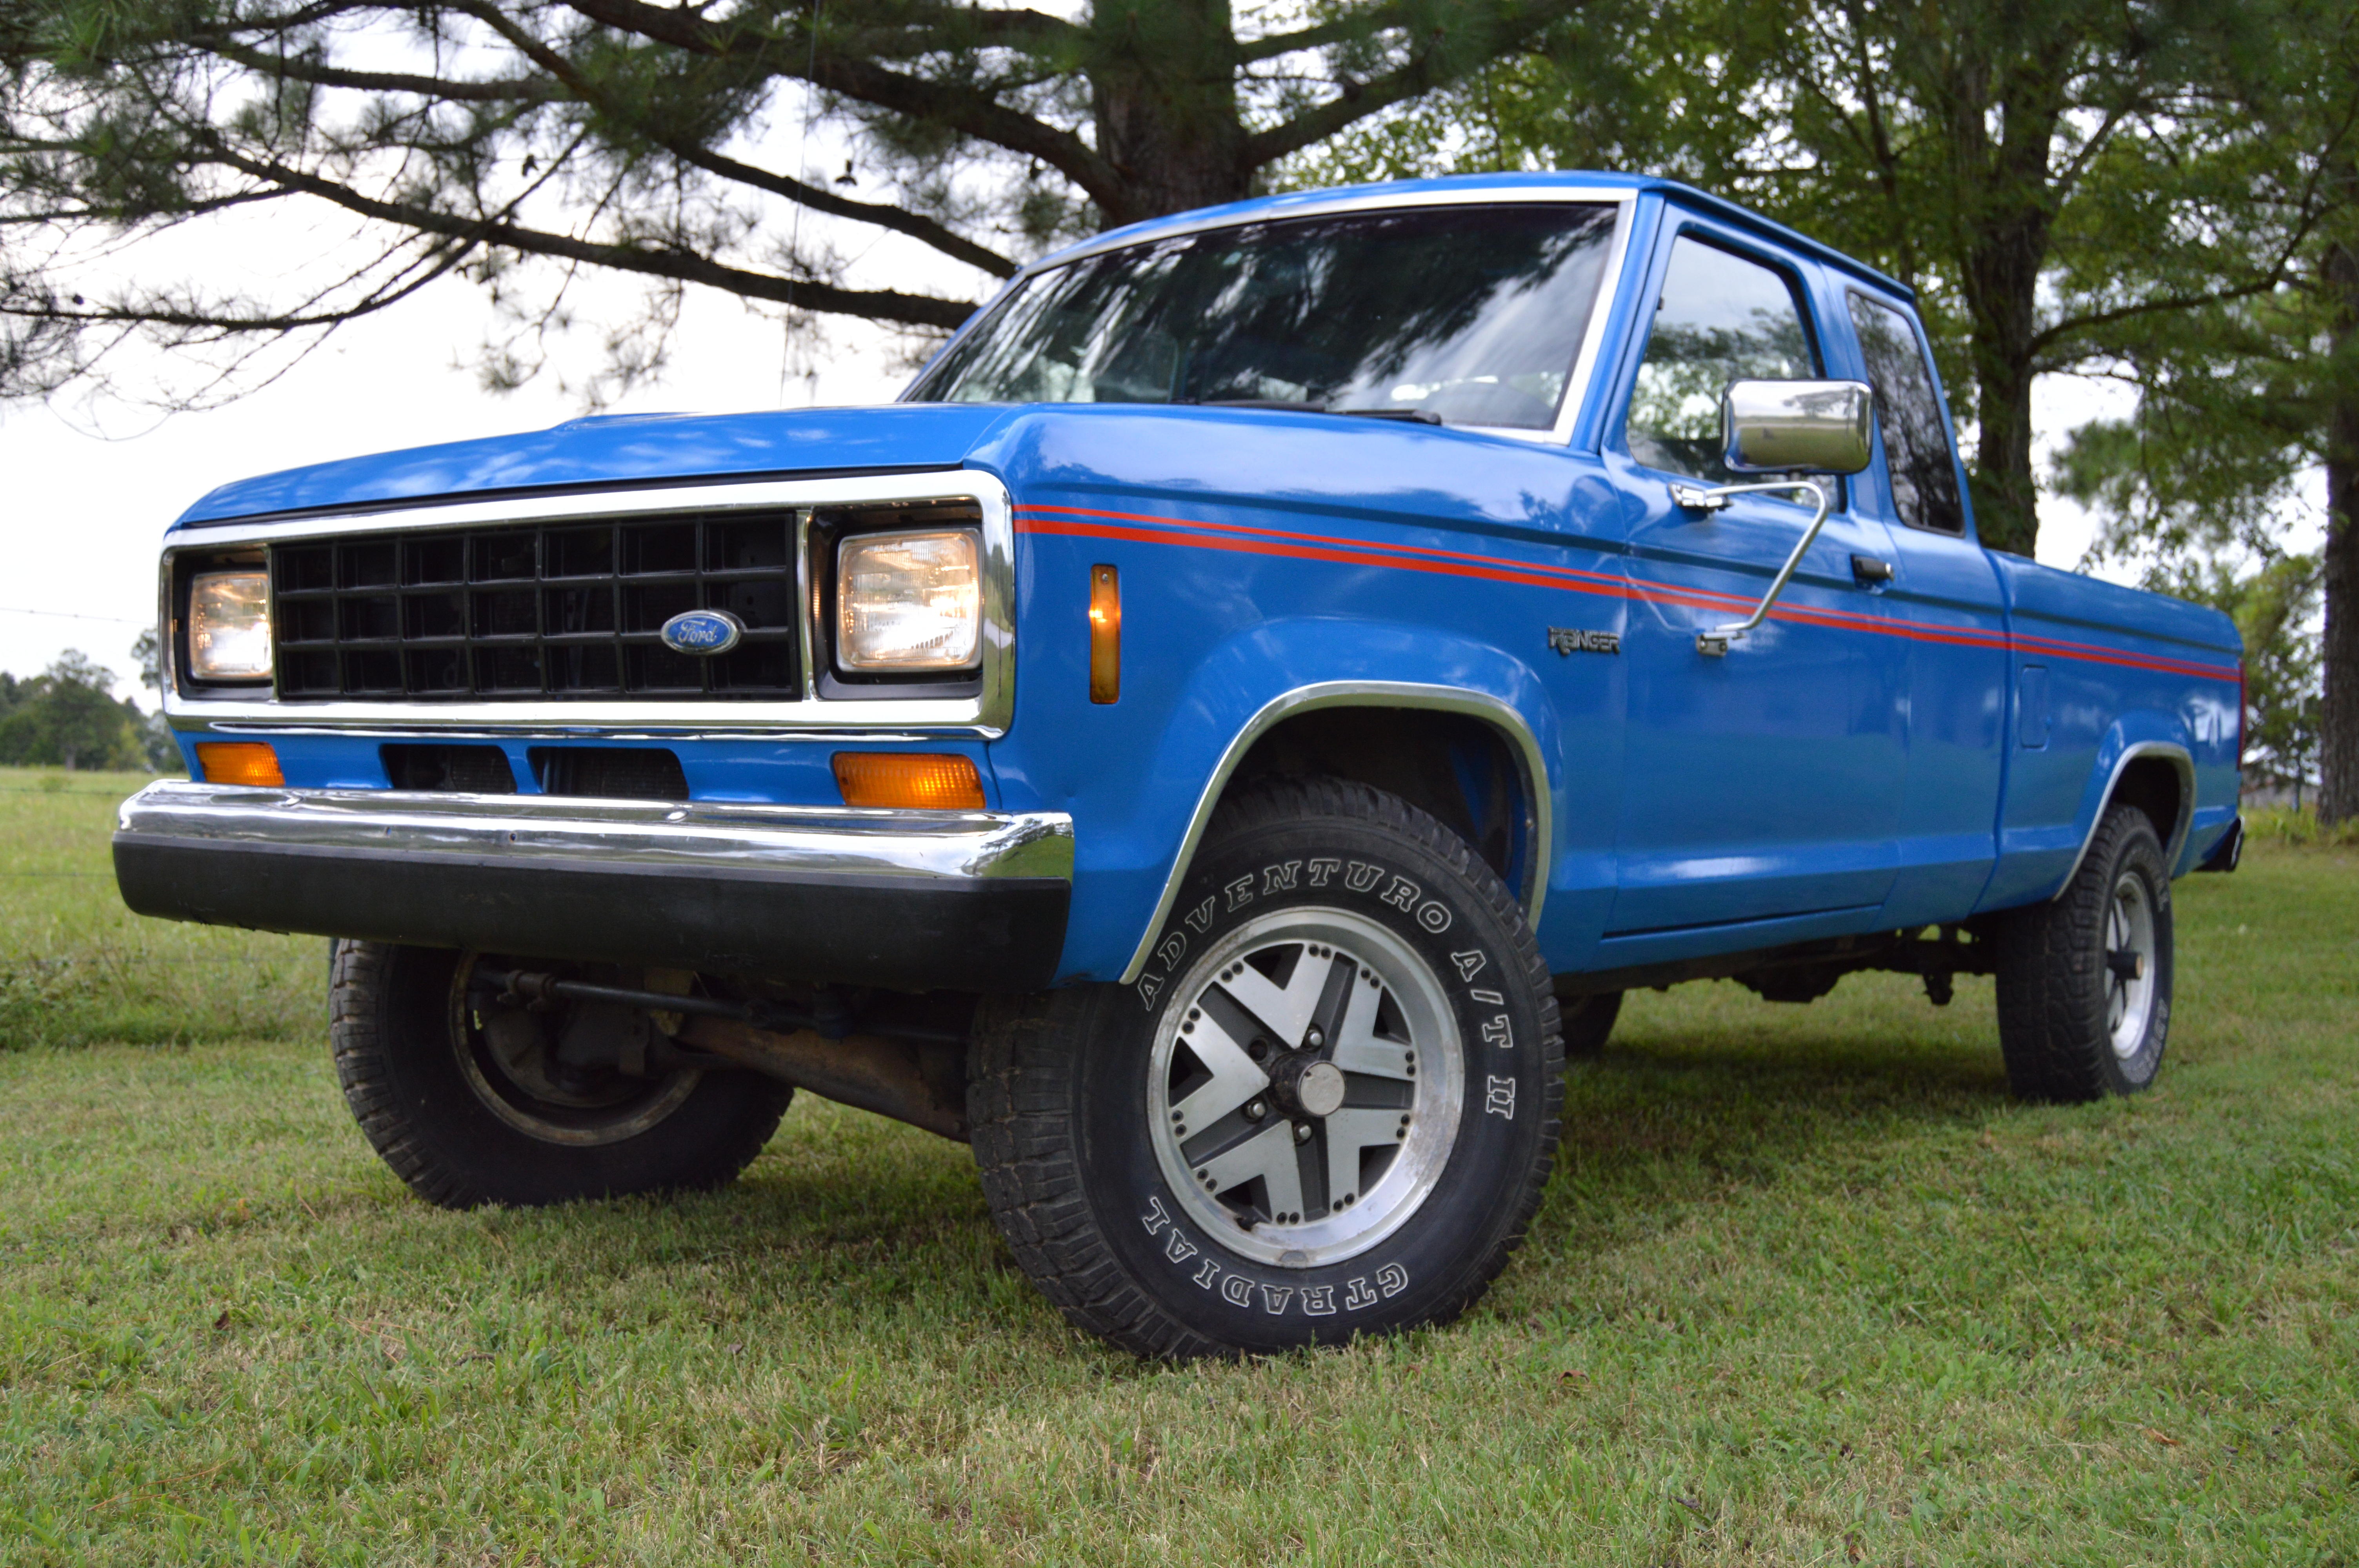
(1807, 1288)
(2283, 825)
(76, 967)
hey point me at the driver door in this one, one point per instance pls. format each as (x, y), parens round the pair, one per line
(1764, 787)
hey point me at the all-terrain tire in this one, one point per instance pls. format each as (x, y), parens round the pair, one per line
(390, 1026)
(2072, 1024)
(1329, 889)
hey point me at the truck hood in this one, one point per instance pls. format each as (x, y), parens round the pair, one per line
(624, 450)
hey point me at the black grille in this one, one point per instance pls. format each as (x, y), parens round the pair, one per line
(558, 611)
(465, 770)
(615, 772)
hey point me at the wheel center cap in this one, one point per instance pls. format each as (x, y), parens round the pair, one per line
(1309, 1086)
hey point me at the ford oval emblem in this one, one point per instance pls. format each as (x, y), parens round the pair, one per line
(704, 632)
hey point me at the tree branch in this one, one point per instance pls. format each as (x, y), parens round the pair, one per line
(525, 91)
(1343, 30)
(2045, 338)
(876, 305)
(940, 236)
(285, 323)
(955, 26)
(961, 109)
(1425, 69)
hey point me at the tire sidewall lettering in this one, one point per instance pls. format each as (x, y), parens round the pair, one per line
(1411, 1273)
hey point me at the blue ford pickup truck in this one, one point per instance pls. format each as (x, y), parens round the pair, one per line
(1215, 745)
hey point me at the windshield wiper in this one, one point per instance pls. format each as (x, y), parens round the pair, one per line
(1411, 416)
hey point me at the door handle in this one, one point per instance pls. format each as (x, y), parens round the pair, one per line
(1869, 572)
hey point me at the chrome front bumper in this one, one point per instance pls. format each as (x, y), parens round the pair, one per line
(919, 901)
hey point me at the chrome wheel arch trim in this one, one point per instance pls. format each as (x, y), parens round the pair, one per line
(986, 714)
(1494, 711)
(2175, 841)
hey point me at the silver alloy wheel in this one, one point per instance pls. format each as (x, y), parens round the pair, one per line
(517, 1081)
(1272, 1016)
(2130, 955)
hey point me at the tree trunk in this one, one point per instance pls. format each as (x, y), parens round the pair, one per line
(2338, 751)
(1164, 75)
(2005, 222)
(2006, 491)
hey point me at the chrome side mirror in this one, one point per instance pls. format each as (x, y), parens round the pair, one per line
(1788, 427)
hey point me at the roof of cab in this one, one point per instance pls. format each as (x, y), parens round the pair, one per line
(1281, 206)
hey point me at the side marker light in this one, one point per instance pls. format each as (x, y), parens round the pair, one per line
(1105, 635)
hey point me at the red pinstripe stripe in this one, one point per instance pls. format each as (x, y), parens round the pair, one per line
(1238, 538)
(1501, 571)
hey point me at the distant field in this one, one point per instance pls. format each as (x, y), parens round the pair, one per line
(77, 966)
(1807, 1288)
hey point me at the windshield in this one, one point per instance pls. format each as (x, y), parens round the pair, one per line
(1472, 315)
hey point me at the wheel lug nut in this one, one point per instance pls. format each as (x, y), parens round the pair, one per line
(1303, 1132)
(1255, 1111)
(1314, 1040)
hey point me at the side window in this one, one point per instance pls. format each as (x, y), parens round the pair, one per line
(1722, 319)
(1916, 437)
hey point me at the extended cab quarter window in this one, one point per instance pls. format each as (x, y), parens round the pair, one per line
(1722, 319)
(1916, 437)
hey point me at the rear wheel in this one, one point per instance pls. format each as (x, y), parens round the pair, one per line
(2085, 981)
(1326, 1109)
(1587, 1022)
(471, 1104)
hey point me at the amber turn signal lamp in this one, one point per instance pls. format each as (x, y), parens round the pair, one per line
(1105, 635)
(928, 781)
(238, 762)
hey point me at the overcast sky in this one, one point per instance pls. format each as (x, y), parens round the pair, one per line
(90, 489)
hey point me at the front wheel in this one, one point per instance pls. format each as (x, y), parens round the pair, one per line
(2085, 981)
(1327, 1107)
(473, 1105)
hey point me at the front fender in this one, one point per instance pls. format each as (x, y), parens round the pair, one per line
(1130, 866)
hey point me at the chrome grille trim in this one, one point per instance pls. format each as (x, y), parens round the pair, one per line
(985, 714)
(571, 611)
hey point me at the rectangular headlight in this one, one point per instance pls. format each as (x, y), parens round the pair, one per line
(909, 601)
(229, 626)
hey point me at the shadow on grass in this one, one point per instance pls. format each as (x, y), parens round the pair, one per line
(1697, 1099)
(846, 1215)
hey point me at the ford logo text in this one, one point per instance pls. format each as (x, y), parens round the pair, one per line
(704, 632)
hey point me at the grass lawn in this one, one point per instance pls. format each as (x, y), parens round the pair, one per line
(1807, 1288)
